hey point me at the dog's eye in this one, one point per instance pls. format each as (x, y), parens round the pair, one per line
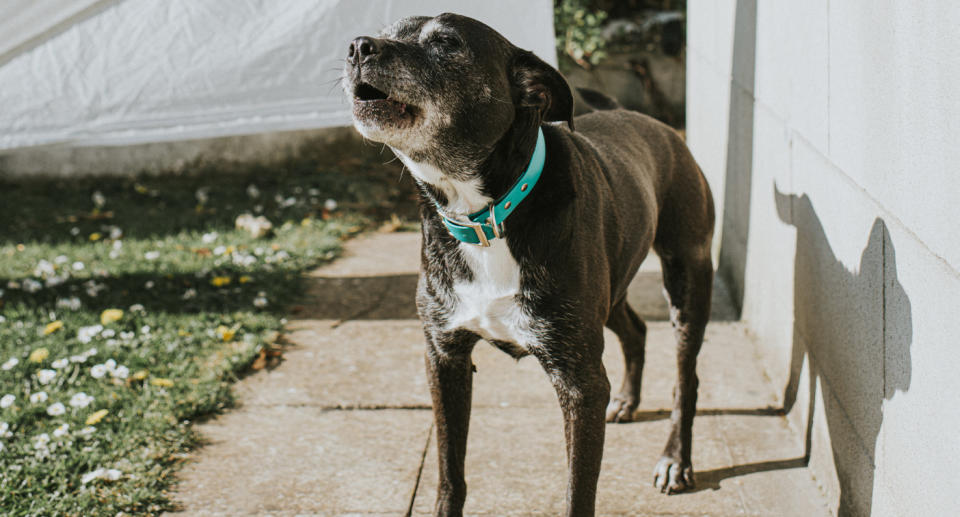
(446, 41)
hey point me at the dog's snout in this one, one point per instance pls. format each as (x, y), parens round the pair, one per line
(361, 49)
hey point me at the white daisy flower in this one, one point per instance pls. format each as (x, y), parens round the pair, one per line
(151, 255)
(260, 301)
(7, 400)
(61, 431)
(145, 329)
(110, 364)
(127, 335)
(189, 294)
(31, 286)
(61, 259)
(98, 199)
(81, 400)
(108, 333)
(87, 431)
(252, 191)
(120, 372)
(54, 281)
(149, 284)
(92, 288)
(73, 303)
(137, 308)
(13, 361)
(44, 269)
(46, 376)
(209, 237)
(38, 397)
(202, 195)
(41, 440)
(86, 334)
(56, 409)
(93, 475)
(61, 363)
(98, 371)
(78, 266)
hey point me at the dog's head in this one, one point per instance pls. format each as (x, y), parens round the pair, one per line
(446, 89)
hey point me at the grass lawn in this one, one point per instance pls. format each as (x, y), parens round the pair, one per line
(129, 305)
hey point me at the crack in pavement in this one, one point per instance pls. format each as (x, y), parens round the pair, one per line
(416, 482)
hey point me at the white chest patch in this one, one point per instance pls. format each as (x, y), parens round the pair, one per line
(488, 304)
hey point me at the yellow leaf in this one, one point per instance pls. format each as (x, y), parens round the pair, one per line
(139, 376)
(96, 417)
(220, 281)
(38, 355)
(52, 327)
(225, 333)
(160, 381)
(110, 315)
(244, 279)
(95, 236)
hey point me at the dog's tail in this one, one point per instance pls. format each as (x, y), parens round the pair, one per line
(595, 101)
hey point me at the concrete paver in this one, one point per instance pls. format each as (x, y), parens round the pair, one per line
(342, 426)
(306, 460)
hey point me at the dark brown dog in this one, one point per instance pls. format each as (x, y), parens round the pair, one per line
(463, 108)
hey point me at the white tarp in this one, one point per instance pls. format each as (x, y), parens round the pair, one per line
(87, 72)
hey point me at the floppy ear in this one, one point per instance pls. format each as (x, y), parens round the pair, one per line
(541, 86)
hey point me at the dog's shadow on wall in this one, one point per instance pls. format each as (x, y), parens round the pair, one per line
(854, 329)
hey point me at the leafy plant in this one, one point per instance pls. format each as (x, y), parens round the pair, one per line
(578, 31)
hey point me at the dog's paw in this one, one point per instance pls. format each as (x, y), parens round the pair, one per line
(621, 410)
(671, 476)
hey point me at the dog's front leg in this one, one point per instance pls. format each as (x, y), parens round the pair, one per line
(583, 391)
(451, 380)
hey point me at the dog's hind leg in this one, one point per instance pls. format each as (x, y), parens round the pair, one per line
(688, 281)
(451, 380)
(632, 332)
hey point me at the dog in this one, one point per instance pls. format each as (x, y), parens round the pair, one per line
(533, 225)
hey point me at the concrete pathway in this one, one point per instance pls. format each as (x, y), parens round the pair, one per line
(343, 425)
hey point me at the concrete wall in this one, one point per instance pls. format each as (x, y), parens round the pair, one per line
(830, 133)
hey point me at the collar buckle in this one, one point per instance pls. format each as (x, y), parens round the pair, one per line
(497, 229)
(478, 228)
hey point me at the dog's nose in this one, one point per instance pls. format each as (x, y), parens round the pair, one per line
(361, 49)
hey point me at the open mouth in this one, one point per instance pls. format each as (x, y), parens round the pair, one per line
(373, 104)
(366, 92)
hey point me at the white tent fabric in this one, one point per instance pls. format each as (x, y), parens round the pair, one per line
(87, 72)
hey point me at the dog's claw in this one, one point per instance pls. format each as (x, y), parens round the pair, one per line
(670, 476)
(621, 410)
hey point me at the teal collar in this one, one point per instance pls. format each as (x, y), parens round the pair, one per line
(483, 226)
